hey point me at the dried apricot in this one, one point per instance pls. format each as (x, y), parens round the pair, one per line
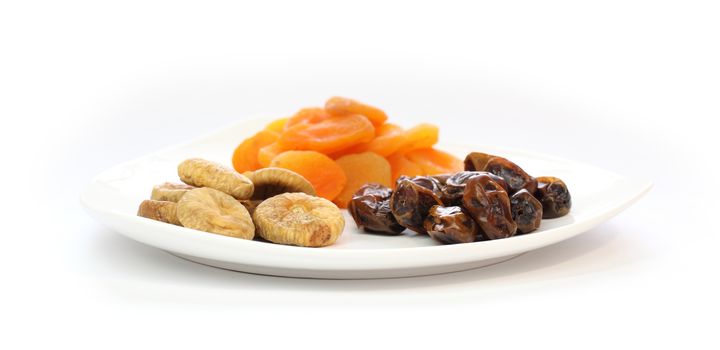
(388, 138)
(324, 174)
(419, 136)
(277, 125)
(245, 157)
(400, 165)
(310, 115)
(432, 161)
(344, 106)
(266, 154)
(361, 169)
(328, 136)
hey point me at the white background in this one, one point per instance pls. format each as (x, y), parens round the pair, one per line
(631, 86)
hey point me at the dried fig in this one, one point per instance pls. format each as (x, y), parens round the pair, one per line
(489, 205)
(169, 191)
(515, 177)
(210, 210)
(410, 204)
(527, 212)
(454, 188)
(370, 208)
(554, 196)
(450, 225)
(159, 210)
(299, 219)
(269, 182)
(204, 173)
(250, 204)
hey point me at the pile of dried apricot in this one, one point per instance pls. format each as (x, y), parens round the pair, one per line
(277, 204)
(342, 146)
(493, 198)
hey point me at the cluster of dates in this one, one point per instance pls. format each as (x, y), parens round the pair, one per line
(493, 198)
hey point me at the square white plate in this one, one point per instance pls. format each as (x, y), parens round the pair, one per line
(113, 197)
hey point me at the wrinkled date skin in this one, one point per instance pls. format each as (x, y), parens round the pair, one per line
(489, 205)
(515, 177)
(410, 204)
(450, 225)
(454, 188)
(441, 178)
(429, 182)
(370, 208)
(527, 212)
(554, 196)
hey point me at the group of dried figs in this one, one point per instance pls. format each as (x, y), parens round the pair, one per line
(278, 204)
(493, 198)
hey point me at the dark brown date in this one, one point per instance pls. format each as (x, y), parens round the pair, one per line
(450, 225)
(515, 177)
(554, 196)
(454, 188)
(489, 205)
(370, 208)
(429, 182)
(527, 212)
(410, 204)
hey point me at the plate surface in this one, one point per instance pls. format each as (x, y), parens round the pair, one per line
(113, 197)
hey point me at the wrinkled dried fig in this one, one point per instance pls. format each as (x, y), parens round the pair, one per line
(554, 196)
(370, 208)
(210, 210)
(269, 182)
(454, 188)
(527, 212)
(410, 204)
(159, 210)
(299, 219)
(450, 225)
(489, 205)
(170, 192)
(250, 204)
(204, 173)
(515, 177)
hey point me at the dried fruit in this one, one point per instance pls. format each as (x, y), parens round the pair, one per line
(250, 204)
(204, 173)
(266, 154)
(554, 196)
(299, 219)
(245, 156)
(269, 182)
(361, 169)
(210, 210)
(370, 208)
(310, 115)
(432, 161)
(441, 178)
(527, 212)
(170, 192)
(428, 182)
(277, 125)
(419, 136)
(324, 174)
(388, 138)
(344, 106)
(410, 204)
(450, 225)
(489, 205)
(159, 210)
(454, 188)
(329, 135)
(401, 166)
(515, 177)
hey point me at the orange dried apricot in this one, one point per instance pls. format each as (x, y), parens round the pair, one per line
(388, 138)
(328, 136)
(361, 169)
(266, 154)
(326, 176)
(432, 161)
(342, 106)
(419, 136)
(277, 125)
(245, 156)
(307, 115)
(400, 165)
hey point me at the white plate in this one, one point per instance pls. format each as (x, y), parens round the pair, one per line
(113, 197)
